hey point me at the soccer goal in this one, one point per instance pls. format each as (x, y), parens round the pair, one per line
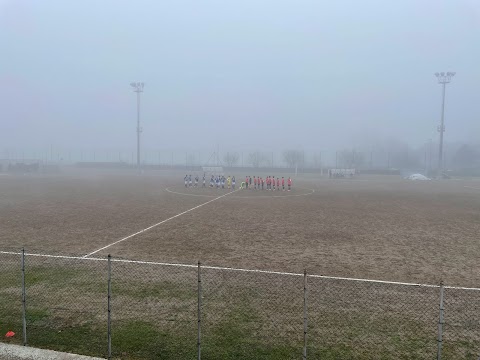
(341, 173)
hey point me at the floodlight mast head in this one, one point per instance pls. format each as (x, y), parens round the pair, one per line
(138, 86)
(444, 78)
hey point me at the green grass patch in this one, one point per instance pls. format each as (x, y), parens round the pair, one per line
(71, 278)
(144, 340)
(36, 316)
(85, 339)
(10, 279)
(238, 335)
(468, 350)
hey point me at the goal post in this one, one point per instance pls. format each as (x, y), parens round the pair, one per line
(335, 173)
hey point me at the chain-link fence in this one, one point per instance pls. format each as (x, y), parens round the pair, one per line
(370, 320)
(123, 309)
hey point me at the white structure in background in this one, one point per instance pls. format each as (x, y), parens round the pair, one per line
(343, 173)
(417, 177)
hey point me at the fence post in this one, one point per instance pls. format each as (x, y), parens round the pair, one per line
(440, 323)
(109, 290)
(199, 313)
(24, 301)
(305, 315)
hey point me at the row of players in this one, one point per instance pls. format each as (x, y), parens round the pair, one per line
(215, 181)
(257, 183)
(218, 181)
(269, 183)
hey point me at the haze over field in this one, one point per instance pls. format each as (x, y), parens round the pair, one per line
(250, 74)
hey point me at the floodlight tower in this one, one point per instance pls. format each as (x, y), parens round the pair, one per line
(444, 79)
(138, 88)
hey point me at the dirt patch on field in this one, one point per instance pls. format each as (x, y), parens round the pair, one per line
(380, 228)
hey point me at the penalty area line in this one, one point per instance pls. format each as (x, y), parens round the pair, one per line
(157, 224)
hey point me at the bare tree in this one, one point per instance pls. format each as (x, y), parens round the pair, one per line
(257, 159)
(351, 159)
(190, 161)
(293, 158)
(466, 157)
(231, 159)
(317, 161)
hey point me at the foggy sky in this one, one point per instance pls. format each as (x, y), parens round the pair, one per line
(263, 74)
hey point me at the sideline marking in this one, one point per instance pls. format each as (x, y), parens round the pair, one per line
(179, 193)
(155, 225)
(247, 197)
(240, 270)
(471, 187)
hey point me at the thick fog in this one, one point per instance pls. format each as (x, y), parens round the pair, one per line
(241, 75)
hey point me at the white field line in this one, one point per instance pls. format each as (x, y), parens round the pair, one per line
(278, 196)
(471, 187)
(179, 193)
(238, 270)
(157, 224)
(311, 191)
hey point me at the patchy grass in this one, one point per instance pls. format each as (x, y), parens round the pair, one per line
(66, 311)
(144, 340)
(237, 334)
(11, 318)
(156, 289)
(84, 339)
(11, 301)
(65, 277)
(10, 279)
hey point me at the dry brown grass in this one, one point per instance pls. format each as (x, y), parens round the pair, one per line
(377, 227)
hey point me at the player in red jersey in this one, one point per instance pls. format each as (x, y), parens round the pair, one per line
(263, 182)
(278, 184)
(289, 183)
(246, 182)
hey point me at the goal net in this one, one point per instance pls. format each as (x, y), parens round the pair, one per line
(341, 173)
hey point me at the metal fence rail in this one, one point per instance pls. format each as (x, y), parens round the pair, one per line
(116, 308)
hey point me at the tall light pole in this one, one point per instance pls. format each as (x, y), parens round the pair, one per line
(444, 79)
(138, 88)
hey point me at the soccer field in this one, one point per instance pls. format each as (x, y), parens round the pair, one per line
(369, 227)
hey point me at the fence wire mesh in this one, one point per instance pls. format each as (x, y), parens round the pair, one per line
(154, 311)
(367, 320)
(11, 297)
(66, 300)
(249, 315)
(461, 337)
(157, 311)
